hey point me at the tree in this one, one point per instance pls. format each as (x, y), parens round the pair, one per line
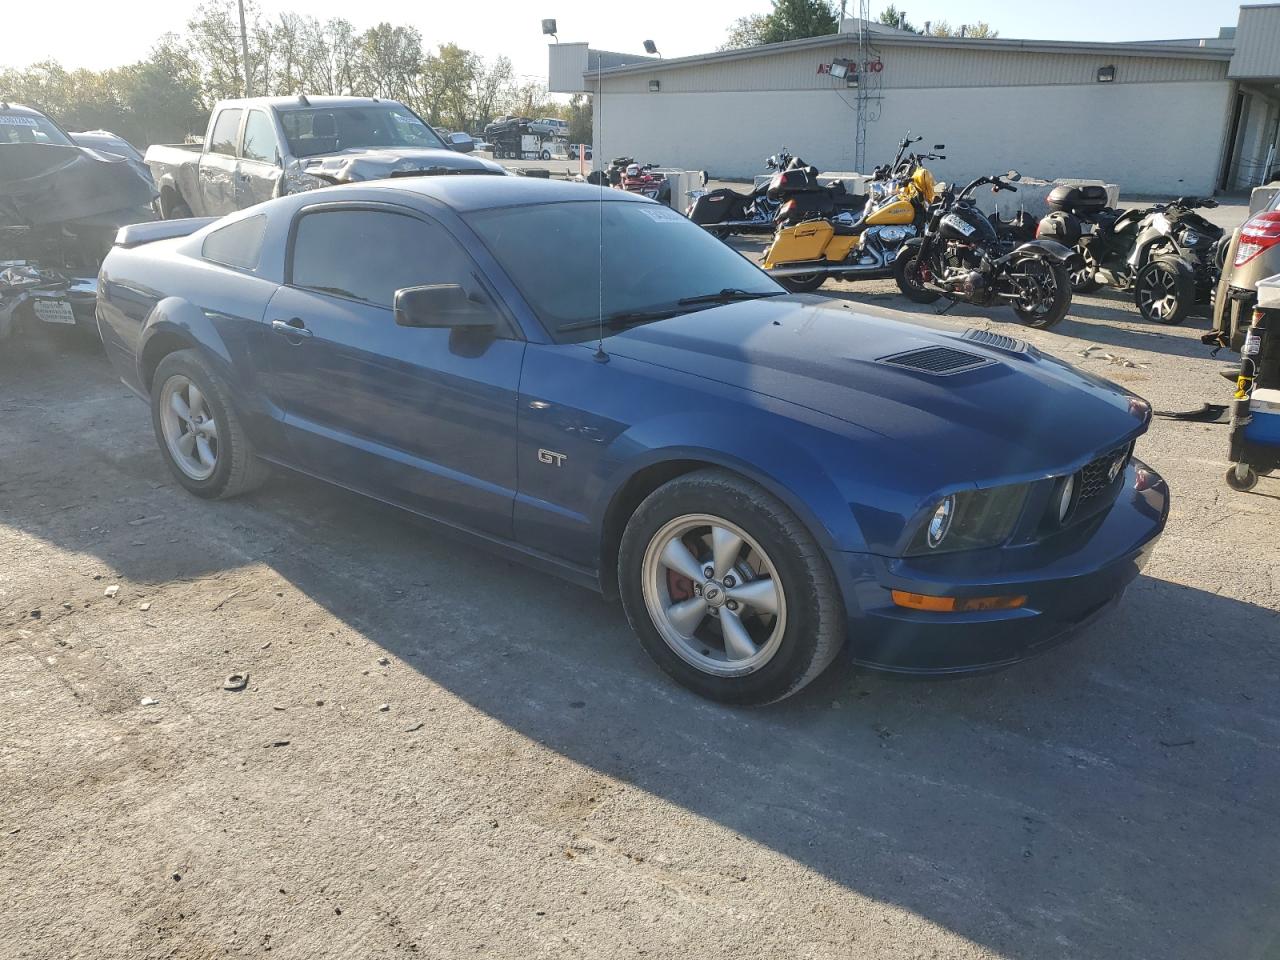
(580, 119)
(788, 20)
(980, 30)
(891, 16)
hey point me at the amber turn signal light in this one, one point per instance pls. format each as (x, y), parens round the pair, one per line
(921, 601)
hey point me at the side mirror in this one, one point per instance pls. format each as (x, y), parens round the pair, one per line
(440, 305)
(1013, 175)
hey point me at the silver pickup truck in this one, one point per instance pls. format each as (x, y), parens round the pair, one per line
(264, 147)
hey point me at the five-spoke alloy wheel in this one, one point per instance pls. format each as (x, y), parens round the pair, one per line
(199, 431)
(727, 590)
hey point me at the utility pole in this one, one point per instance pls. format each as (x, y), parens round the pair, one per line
(244, 52)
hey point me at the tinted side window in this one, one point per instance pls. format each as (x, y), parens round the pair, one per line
(236, 245)
(259, 138)
(224, 133)
(368, 255)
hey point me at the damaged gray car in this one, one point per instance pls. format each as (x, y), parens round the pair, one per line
(264, 147)
(61, 204)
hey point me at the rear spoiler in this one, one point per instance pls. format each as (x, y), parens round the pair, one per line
(137, 234)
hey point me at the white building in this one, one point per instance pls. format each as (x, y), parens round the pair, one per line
(1165, 117)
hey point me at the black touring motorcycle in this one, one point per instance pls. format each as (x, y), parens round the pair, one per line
(724, 212)
(962, 257)
(1168, 255)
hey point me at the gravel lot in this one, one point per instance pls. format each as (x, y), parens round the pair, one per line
(534, 787)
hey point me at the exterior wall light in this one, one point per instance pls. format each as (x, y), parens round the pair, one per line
(1106, 74)
(654, 85)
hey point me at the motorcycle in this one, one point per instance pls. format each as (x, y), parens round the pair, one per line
(723, 212)
(961, 257)
(1169, 256)
(824, 232)
(639, 178)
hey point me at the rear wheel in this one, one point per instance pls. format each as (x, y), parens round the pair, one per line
(199, 431)
(803, 283)
(1165, 291)
(1084, 278)
(727, 591)
(1045, 292)
(907, 274)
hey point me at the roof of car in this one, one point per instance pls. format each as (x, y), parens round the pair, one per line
(22, 108)
(299, 102)
(465, 193)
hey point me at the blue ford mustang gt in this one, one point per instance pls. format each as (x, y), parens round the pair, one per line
(584, 379)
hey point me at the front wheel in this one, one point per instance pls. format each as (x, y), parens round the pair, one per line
(727, 591)
(1044, 292)
(803, 283)
(907, 274)
(1165, 291)
(545, 155)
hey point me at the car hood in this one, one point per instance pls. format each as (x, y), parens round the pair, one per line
(1017, 415)
(348, 166)
(47, 183)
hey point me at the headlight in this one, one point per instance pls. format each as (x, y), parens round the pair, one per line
(969, 520)
(1190, 238)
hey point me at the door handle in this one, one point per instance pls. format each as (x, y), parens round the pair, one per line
(291, 328)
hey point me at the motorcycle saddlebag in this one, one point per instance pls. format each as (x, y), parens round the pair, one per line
(1060, 226)
(715, 207)
(1079, 199)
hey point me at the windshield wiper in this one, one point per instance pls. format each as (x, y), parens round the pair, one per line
(624, 318)
(728, 295)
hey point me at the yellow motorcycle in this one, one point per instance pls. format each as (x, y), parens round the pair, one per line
(814, 240)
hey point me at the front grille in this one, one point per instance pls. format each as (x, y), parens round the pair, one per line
(939, 361)
(997, 340)
(1097, 475)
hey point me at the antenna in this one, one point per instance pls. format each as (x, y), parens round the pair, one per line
(600, 356)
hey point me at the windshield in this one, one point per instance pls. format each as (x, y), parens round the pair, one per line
(651, 258)
(30, 128)
(312, 131)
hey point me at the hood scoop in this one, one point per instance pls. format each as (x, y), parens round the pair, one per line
(939, 361)
(997, 341)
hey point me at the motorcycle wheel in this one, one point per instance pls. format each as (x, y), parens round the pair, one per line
(1085, 279)
(906, 273)
(1164, 291)
(1046, 312)
(804, 283)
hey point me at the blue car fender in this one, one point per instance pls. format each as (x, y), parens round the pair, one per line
(754, 448)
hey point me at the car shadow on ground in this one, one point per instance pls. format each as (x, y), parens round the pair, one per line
(1115, 797)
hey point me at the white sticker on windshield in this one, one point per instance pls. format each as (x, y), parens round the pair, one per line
(661, 214)
(18, 121)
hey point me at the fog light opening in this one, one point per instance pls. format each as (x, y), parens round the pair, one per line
(922, 601)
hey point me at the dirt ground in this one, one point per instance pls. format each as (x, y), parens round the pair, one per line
(442, 754)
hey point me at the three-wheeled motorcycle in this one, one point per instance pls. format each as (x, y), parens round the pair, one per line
(1255, 408)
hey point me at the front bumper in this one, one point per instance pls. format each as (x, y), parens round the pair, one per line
(1067, 581)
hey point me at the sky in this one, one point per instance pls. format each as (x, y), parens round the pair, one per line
(104, 33)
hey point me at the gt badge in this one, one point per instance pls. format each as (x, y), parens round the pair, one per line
(551, 458)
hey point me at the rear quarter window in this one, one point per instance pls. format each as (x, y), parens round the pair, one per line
(236, 245)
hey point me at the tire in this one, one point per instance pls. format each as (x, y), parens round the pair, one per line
(1241, 477)
(1165, 291)
(180, 211)
(236, 468)
(545, 155)
(905, 275)
(1086, 279)
(792, 645)
(1058, 306)
(805, 283)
